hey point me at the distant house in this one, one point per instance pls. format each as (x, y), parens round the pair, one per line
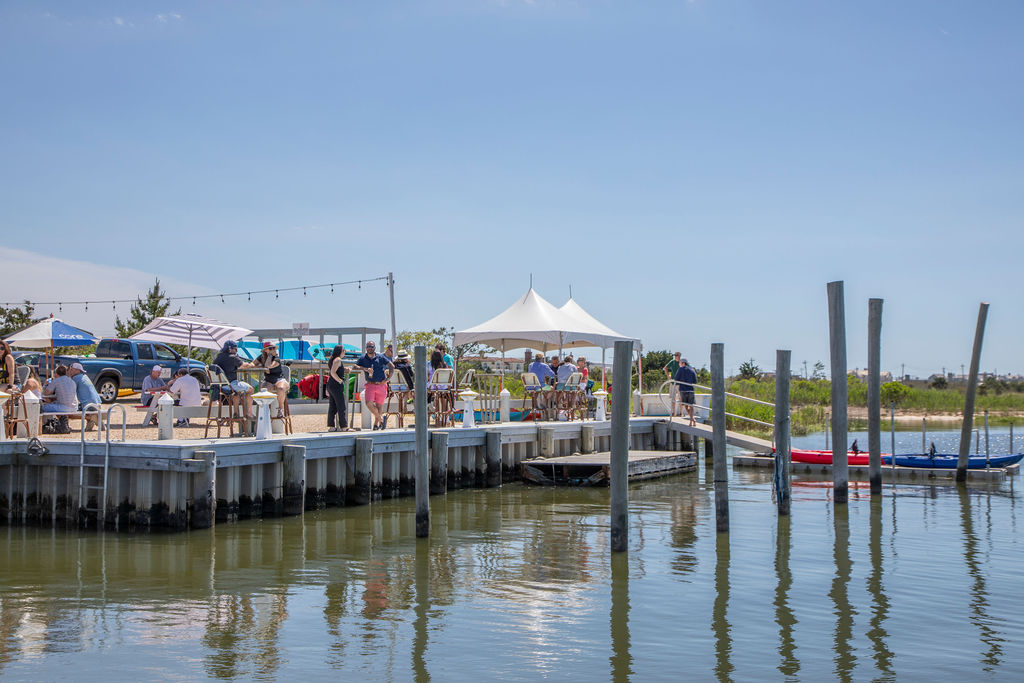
(862, 375)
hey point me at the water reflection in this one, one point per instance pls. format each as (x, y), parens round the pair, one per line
(844, 612)
(879, 601)
(789, 665)
(621, 659)
(990, 658)
(419, 643)
(719, 613)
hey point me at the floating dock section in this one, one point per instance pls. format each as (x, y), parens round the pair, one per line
(594, 469)
(922, 475)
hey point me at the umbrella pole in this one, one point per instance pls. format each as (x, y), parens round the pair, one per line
(189, 356)
(604, 370)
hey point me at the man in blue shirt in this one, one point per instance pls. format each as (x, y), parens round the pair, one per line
(541, 369)
(377, 370)
(85, 391)
(685, 378)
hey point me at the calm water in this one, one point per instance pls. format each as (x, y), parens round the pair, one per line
(519, 584)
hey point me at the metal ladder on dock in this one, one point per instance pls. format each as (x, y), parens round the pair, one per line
(83, 486)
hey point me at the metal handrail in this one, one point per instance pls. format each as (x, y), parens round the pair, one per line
(661, 397)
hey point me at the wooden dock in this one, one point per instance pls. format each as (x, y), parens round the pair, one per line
(593, 469)
(923, 475)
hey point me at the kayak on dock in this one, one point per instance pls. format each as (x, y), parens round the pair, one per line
(948, 460)
(825, 457)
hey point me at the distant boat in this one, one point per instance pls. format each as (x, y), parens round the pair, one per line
(949, 461)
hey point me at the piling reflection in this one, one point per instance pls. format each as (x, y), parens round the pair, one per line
(720, 611)
(844, 660)
(879, 600)
(992, 639)
(621, 659)
(789, 665)
(419, 643)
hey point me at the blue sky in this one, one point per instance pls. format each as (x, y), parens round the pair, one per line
(696, 171)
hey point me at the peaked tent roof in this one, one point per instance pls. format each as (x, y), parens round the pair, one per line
(596, 332)
(530, 322)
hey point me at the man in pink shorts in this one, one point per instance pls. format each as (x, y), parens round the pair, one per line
(377, 370)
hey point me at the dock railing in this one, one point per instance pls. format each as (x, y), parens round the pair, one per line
(662, 396)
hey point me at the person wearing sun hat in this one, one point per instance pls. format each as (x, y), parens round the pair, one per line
(403, 363)
(273, 378)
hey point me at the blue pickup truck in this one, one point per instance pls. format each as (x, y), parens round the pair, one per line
(124, 363)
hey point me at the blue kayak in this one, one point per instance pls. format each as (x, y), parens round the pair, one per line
(948, 461)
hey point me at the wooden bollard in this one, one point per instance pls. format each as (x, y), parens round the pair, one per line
(837, 353)
(619, 483)
(875, 396)
(293, 486)
(204, 492)
(782, 426)
(721, 472)
(422, 454)
(969, 395)
(480, 464)
(587, 438)
(546, 440)
(493, 455)
(364, 463)
(438, 463)
(661, 435)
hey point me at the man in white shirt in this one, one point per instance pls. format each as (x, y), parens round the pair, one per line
(188, 392)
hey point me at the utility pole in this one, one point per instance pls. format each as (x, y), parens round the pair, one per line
(903, 371)
(805, 369)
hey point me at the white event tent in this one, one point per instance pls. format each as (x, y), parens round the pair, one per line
(534, 322)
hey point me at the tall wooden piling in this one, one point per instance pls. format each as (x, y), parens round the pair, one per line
(620, 448)
(422, 454)
(721, 472)
(493, 457)
(204, 492)
(438, 463)
(782, 426)
(837, 353)
(875, 395)
(660, 436)
(362, 490)
(969, 396)
(546, 439)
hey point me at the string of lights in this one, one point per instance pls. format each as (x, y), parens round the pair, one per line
(277, 291)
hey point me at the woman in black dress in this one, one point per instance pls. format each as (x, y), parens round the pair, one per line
(337, 387)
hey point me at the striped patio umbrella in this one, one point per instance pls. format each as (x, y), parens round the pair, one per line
(190, 330)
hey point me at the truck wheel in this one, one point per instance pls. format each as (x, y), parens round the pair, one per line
(107, 389)
(204, 382)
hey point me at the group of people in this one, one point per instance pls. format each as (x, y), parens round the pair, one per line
(377, 371)
(559, 370)
(184, 387)
(679, 371)
(269, 360)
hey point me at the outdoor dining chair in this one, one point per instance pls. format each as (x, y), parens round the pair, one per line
(223, 395)
(533, 389)
(441, 394)
(400, 392)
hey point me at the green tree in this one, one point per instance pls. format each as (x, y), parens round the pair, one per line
(894, 392)
(654, 361)
(749, 370)
(819, 370)
(939, 382)
(143, 312)
(16, 317)
(704, 376)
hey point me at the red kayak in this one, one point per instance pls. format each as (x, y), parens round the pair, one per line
(825, 457)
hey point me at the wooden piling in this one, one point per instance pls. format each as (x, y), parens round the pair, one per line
(721, 472)
(620, 448)
(875, 395)
(493, 457)
(422, 455)
(293, 485)
(587, 438)
(204, 492)
(660, 436)
(438, 463)
(837, 353)
(782, 426)
(364, 462)
(546, 439)
(969, 396)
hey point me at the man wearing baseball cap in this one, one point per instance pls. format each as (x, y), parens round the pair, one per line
(84, 389)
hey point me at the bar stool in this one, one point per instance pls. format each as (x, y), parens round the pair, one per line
(219, 381)
(285, 416)
(15, 413)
